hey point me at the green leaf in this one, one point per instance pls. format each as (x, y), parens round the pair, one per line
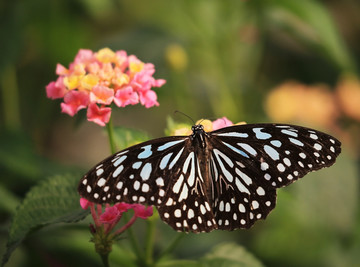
(126, 137)
(180, 263)
(310, 21)
(230, 254)
(11, 200)
(54, 200)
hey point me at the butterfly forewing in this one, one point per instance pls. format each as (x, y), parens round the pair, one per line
(225, 179)
(139, 174)
(278, 154)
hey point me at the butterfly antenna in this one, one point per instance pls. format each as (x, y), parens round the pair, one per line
(187, 116)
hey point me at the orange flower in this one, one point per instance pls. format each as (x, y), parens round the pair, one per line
(293, 101)
(348, 94)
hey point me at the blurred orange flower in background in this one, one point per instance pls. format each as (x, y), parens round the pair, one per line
(293, 101)
(348, 95)
(318, 105)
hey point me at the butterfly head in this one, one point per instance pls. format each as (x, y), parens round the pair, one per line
(198, 134)
(198, 128)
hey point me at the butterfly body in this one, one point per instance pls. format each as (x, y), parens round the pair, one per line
(224, 179)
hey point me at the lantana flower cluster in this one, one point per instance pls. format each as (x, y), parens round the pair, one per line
(96, 79)
(105, 221)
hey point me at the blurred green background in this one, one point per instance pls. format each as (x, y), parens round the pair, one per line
(220, 58)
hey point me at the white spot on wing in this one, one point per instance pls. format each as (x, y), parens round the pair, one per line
(99, 172)
(261, 135)
(233, 134)
(276, 143)
(146, 171)
(264, 166)
(146, 153)
(296, 141)
(137, 165)
(317, 146)
(119, 160)
(241, 187)
(242, 153)
(136, 185)
(119, 185)
(184, 193)
(169, 144)
(145, 188)
(288, 132)
(165, 161)
(281, 167)
(271, 152)
(260, 191)
(159, 181)
(177, 185)
(101, 182)
(176, 158)
(248, 148)
(243, 176)
(118, 170)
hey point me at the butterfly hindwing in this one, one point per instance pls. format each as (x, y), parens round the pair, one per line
(239, 199)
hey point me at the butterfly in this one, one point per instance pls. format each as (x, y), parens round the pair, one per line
(225, 179)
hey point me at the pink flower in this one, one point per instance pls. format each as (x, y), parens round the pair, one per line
(104, 77)
(148, 98)
(126, 96)
(56, 89)
(122, 60)
(74, 101)
(221, 123)
(61, 70)
(141, 211)
(98, 115)
(158, 83)
(84, 203)
(110, 215)
(104, 229)
(102, 95)
(84, 56)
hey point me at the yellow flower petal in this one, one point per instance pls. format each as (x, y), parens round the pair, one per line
(89, 81)
(72, 81)
(106, 55)
(121, 79)
(136, 66)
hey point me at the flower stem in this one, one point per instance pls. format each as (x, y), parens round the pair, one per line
(110, 132)
(105, 259)
(172, 245)
(149, 245)
(10, 98)
(126, 226)
(133, 240)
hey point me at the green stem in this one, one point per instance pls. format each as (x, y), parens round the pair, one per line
(133, 241)
(105, 259)
(110, 132)
(150, 235)
(10, 98)
(172, 245)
